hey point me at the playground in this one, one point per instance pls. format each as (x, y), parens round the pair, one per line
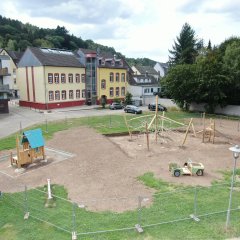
(102, 167)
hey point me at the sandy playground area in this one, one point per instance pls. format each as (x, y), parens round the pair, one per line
(103, 167)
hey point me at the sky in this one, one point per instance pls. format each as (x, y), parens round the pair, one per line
(136, 28)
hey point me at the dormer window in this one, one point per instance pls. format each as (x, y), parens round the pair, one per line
(112, 62)
(103, 62)
(121, 63)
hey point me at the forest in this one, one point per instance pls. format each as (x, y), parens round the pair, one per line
(16, 36)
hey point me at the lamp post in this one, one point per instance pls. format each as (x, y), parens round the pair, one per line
(236, 151)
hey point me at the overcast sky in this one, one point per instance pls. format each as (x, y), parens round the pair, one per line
(136, 28)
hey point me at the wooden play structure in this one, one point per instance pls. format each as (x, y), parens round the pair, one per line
(159, 124)
(30, 146)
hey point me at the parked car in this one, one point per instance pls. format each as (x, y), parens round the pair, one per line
(132, 109)
(115, 105)
(152, 107)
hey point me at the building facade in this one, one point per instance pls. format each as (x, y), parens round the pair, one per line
(50, 78)
(14, 59)
(5, 83)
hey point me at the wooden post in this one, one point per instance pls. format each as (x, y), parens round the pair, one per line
(162, 127)
(213, 131)
(156, 119)
(18, 152)
(203, 127)
(147, 135)
(125, 119)
(190, 123)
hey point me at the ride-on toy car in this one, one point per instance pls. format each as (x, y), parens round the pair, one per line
(189, 168)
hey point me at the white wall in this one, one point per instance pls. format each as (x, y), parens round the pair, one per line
(228, 110)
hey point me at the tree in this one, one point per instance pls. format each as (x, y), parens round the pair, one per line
(180, 84)
(128, 98)
(185, 48)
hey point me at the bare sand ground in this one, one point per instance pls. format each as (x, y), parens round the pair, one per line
(106, 168)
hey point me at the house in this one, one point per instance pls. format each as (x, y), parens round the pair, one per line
(144, 88)
(142, 70)
(113, 76)
(50, 78)
(14, 59)
(161, 68)
(5, 83)
(106, 76)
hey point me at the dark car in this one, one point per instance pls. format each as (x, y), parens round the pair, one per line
(152, 107)
(115, 105)
(132, 109)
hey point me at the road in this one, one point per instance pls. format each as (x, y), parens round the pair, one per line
(22, 117)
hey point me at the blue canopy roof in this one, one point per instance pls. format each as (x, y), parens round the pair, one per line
(34, 137)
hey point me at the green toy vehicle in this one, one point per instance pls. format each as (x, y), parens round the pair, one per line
(189, 168)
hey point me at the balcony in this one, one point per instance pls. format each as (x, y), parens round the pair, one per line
(4, 72)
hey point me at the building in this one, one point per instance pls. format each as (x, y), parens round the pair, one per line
(106, 76)
(14, 59)
(50, 78)
(113, 74)
(161, 68)
(89, 59)
(5, 83)
(143, 88)
(142, 70)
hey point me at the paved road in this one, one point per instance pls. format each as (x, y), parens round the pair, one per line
(21, 117)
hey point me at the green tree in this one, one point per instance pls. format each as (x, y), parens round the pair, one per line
(231, 61)
(128, 98)
(180, 84)
(185, 48)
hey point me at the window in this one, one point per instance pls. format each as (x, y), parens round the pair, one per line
(112, 62)
(50, 78)
(14, 71)
(56, 77)
(151, 90)
(70, 94)
(111, 91)
(103, 62)
(63, 78)
(77, 77)
(15, 81)
(146, 90)
(83, 93)
(121, 63)
(83, 78)
(111, 76)
(50, 96)
(123, 91)
(57, 95)
(64, 95)
(78, 93)
(117, 77)
(123, 77)
(70, 78)
(103, 84)
(117, 91)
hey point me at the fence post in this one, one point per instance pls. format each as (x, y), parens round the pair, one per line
(138, 226)
(110, 120)
(74, 233)
(20, 127)
(194, 215)
(46, 125)
(26, 211)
